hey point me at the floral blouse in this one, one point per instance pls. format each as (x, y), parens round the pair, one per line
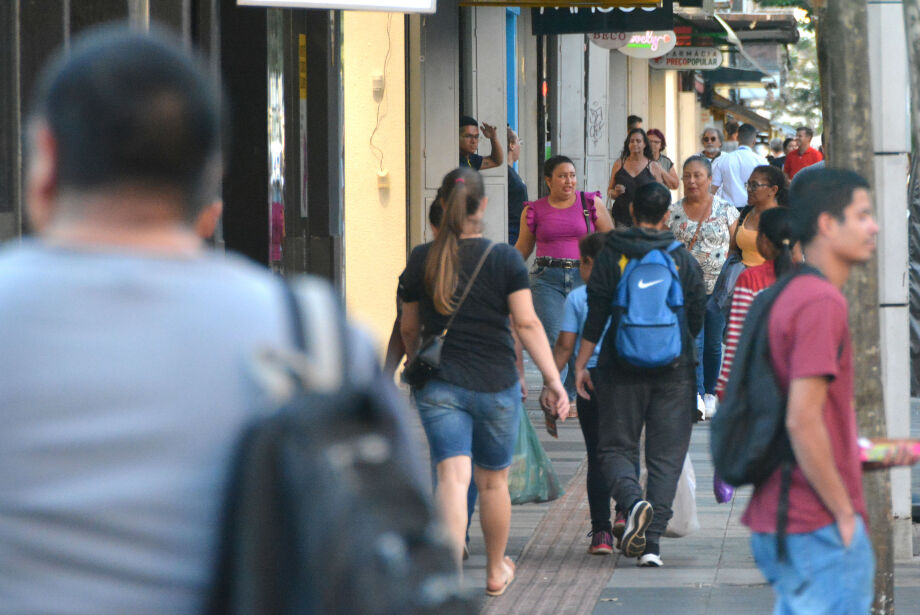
(711, 247)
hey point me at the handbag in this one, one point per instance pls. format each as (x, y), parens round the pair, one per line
(428, 358)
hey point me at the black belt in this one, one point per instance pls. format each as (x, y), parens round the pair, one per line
(562, 263)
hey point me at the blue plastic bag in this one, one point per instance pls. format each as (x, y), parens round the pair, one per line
(532, 477)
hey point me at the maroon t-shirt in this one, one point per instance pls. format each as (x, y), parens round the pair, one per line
(809, 337)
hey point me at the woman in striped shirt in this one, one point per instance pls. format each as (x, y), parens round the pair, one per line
(775, 242)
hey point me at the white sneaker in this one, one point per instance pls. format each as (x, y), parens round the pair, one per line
(700, 407)
(650, 560)
(711, 402)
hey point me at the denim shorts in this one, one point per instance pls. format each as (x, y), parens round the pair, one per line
(459, 421)
(820, 576)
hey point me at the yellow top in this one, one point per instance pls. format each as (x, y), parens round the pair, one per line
(747, 243)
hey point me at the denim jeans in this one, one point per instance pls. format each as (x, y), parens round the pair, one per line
(819, 576)
(550, 286)
(709, 349)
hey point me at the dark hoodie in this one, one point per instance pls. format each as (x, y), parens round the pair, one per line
(636, 242)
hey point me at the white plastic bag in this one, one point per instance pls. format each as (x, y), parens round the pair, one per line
(684, 521)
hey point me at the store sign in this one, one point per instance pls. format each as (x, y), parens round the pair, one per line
(583, 19)
(610, 40)
(396, 6)
(649, 44)
(689, 58)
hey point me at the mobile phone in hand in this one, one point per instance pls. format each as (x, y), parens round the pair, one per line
(551, 425)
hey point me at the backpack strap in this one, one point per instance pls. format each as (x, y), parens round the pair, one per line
(674, 245)
(320, 334)
(782, 509)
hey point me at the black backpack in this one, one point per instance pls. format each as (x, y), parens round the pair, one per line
(748, 437)
(326, 511)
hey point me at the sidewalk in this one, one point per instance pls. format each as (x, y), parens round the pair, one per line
(711, 571)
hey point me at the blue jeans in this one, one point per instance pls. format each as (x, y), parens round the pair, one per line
(461, 422)
(820, 576)
(709, 349)
(550, 286)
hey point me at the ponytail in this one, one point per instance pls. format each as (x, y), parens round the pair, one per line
(778, 226)
(461, 193)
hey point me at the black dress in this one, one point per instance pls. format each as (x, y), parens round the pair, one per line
(620, 210)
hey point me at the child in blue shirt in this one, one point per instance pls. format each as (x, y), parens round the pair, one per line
(573, 322)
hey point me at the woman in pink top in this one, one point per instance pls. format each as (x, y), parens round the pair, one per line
(553, 225)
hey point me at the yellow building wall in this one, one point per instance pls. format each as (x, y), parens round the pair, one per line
(375, 207)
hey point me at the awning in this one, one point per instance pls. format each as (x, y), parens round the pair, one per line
(774, 27)
(727, 74)
(741, 112)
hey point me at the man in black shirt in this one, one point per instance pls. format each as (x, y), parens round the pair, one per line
(629, 398)
(469, 143)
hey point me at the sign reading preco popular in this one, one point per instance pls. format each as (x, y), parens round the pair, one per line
(396, 6)
(649, 44)
(580, 20)
(689, 58)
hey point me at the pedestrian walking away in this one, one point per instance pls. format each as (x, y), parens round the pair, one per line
(776, 242)
(128, 378)
(730, 175)
(469, 145)
(461, 288)
(658, 144)
(573, 323)
(554, 225)
(705, 224)
(635, 167)
(829, 563)
(660, 284)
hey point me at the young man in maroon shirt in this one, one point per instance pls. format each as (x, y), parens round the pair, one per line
(805, 156)
(829, 565)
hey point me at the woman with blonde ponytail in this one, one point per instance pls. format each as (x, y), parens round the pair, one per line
(470, 407)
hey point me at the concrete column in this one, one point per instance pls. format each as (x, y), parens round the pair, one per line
(597, 122)
(638, 88)
(484, 98)
(569, 127)
(688, 142)
(530, 166)
(618, 101)
(434, 108)
(891, 129)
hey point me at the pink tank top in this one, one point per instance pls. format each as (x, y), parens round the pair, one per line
(558, 230)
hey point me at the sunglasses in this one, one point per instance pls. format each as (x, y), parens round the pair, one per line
(753, 186)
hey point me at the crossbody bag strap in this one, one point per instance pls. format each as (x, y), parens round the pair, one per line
(469, 286)
(584, 209)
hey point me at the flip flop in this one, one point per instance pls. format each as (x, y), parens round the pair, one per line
(498, 592)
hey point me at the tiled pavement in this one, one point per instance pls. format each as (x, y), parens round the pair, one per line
(710, 571)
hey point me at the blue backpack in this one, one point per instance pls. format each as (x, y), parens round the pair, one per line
(649, 301)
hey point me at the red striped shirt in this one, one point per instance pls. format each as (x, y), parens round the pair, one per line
(749, 284)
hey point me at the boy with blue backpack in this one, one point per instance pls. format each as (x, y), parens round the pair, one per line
(652, 289)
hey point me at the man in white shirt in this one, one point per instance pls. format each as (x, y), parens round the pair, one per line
(735, 168)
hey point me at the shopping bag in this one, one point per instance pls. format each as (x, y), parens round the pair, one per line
(684, 520)
(531, 477)
(722, 490)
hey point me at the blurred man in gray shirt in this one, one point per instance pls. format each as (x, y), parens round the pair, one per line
(126, 343)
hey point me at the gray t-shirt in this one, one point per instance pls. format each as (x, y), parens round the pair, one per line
(125, 385)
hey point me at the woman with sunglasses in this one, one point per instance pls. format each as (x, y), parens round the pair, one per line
(766, 188)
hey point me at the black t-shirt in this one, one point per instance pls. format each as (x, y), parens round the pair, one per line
(517, 194)
(478, 351)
